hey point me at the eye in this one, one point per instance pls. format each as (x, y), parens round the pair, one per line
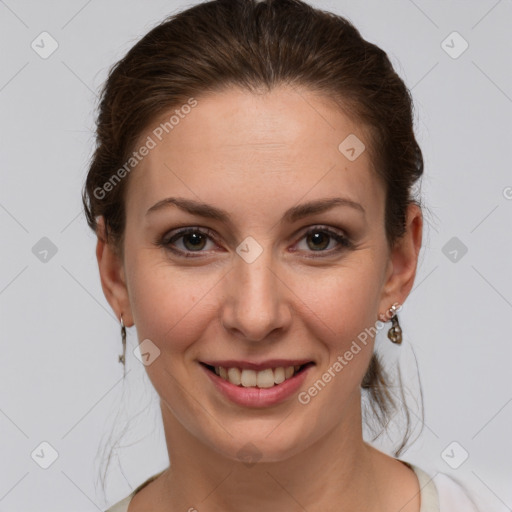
(320, 237)
(195, 240)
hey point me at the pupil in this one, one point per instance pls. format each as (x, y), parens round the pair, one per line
(319, 237)
(196, 239)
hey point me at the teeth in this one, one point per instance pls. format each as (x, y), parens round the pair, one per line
(265, 378)
(279, 375)
(250, 378)
(234, 376)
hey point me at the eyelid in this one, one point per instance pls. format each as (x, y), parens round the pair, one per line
(191, 229)
(178, 233)
(343, 240)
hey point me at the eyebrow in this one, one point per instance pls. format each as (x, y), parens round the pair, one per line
(291, 215)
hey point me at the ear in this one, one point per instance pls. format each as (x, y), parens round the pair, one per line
(403, 260)
(112, 276)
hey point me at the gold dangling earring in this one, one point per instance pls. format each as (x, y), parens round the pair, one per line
(395, 331)
(122, 358)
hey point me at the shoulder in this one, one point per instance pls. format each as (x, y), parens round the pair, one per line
(122, 506)
(453, 496)
(442, 493)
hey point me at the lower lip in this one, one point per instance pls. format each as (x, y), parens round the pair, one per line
(258, 397)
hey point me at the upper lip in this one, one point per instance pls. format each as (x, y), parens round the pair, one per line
(251, 365)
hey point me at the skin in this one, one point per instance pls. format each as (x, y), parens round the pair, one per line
(256, 156)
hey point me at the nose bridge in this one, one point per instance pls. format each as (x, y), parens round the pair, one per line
(255, 301)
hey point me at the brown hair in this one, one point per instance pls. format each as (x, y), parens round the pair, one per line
(258, 45)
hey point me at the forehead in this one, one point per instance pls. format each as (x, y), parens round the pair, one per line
(247, 151)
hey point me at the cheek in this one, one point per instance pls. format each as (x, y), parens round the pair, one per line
(342, 311)
(174, 306)
(171, 303)
(344, 301)
(170, 306)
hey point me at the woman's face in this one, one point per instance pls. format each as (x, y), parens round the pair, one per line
(265, 286)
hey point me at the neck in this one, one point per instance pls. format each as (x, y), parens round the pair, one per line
(336, 469)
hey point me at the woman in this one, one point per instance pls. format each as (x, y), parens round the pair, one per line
(251, 191)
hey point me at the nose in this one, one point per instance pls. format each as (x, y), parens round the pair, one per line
(257, 306)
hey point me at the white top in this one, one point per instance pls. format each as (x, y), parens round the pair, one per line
(437, 494)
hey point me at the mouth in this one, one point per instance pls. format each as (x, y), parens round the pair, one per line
(257, 376)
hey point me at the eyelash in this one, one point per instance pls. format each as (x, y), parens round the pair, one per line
(165, 241)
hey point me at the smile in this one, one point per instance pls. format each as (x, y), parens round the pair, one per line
(266, 378)
(257, 384)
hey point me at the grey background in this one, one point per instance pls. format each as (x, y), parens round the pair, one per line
(61, 382)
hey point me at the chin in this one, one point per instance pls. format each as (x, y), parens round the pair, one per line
(263, 445)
